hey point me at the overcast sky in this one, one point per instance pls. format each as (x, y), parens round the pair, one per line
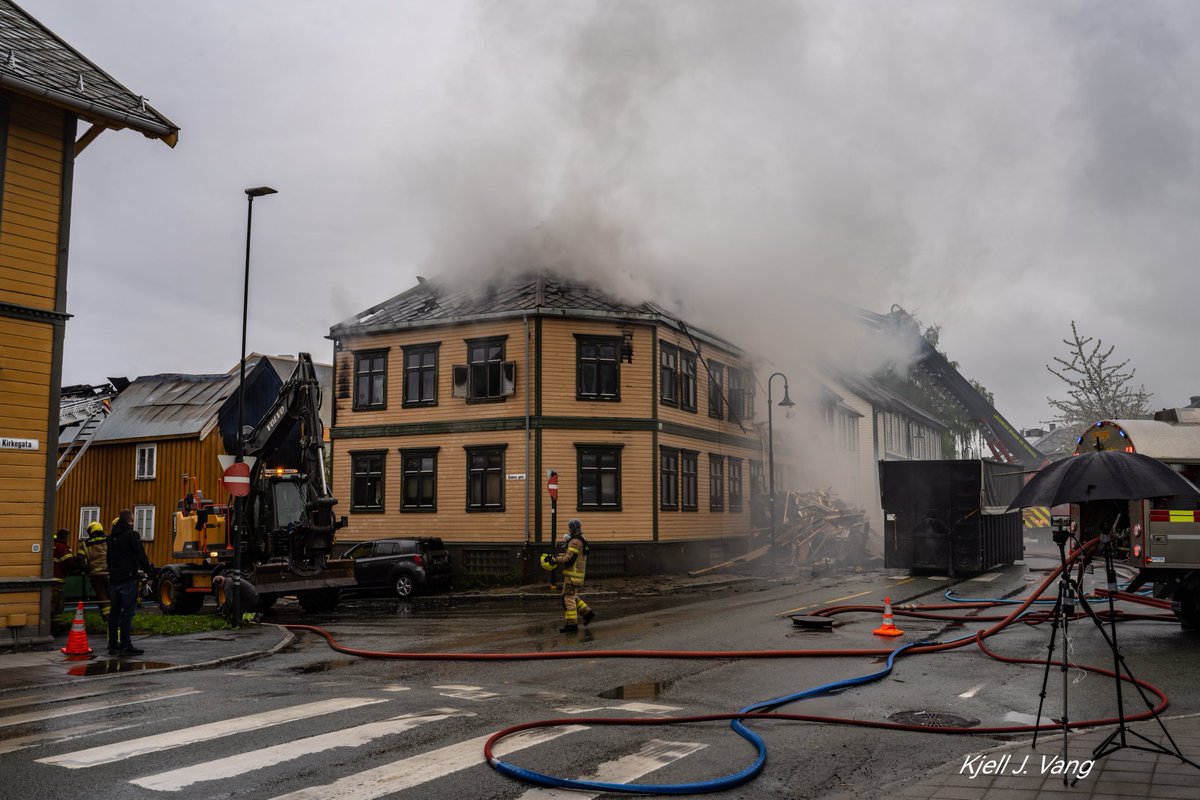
(997, 168)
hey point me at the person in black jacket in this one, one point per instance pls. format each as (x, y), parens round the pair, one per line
(126, 557)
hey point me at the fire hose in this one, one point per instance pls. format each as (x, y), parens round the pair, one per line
(766, 709)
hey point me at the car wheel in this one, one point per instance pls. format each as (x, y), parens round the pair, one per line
(403, 585)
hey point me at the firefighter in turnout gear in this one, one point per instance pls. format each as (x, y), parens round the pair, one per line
(573, 560)
(94, 552)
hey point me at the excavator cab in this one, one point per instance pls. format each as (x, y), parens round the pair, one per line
(199, 525)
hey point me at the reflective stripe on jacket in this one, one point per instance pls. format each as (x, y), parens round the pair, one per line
(574, 560)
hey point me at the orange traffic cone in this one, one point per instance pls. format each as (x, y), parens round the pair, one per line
(77, 643)
(888, 628)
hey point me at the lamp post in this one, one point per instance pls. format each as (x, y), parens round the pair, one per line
(240, 502)
(786, 402)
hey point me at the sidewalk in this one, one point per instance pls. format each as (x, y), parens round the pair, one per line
(27, 670)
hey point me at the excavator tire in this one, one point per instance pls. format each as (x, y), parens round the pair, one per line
(223, 588)
(172, 597)
(315, 601)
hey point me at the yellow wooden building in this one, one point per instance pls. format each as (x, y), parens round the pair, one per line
(46, 90)
(453, 405)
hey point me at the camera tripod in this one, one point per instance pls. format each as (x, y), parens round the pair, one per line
(1064, 608)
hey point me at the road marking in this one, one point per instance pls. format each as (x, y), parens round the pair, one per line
(825, 603)
(1024, 719)
(414, 771)
(242, 763)
(395, 687)
(466, 692)
(985, 578)
(73, 694)
(201, 733)
(58, 736)
(87, 708)
(967, 695)
(654, 754)
(637, 708)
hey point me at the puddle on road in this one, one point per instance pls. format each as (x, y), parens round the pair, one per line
(323, 666)
(111, 665)
(636, 691)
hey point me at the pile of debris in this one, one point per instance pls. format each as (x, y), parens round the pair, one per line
(815, 528)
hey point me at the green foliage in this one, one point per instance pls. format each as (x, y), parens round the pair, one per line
(161, 624)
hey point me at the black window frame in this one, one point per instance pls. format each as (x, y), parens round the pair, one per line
(495, 369)
(585, 477)
(668, 478)
(420, 474)
(716, 482)
(716, 388)
(359, 357)
(733, 467)
(381, 477)
(687, 381)
(421, 350)
(672, 382)
(485, 450)
(583, 341)
(689, 480)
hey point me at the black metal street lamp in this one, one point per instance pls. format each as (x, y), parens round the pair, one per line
(786, 402)
(240, 503)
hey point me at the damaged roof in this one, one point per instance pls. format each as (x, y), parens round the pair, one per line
(167, 406)
(37, 63)
(434, 303)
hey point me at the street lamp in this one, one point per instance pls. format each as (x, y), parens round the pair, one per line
(240, 502)
(786, 402)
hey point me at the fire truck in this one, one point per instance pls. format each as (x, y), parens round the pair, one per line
(1162, 539)
(286, 522)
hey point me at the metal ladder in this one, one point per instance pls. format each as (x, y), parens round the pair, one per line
(79, 444)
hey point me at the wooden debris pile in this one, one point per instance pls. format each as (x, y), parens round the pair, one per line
(815, 528)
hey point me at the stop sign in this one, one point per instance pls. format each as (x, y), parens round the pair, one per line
(552, 486)
(236, 479)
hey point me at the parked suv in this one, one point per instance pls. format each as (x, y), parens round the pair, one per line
(403, 566)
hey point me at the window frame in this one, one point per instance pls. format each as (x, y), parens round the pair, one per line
(716, 389)
(417, 452)
(736, 499)
(688, 383)
(138, 473)
(139, 515)
(419, 349)
(86, 519)
(485, 449)
(359, 357)
(598, 449)
(583, 340)
(668, 478)
(381, 477)
(716, 482)
(689, 480)
(491, 364)
(666, 349)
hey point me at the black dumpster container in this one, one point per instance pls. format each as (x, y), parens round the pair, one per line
(950, 517)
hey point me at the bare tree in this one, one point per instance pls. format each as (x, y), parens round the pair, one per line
(1096, 389)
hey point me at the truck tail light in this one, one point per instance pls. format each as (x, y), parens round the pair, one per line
(418, 560)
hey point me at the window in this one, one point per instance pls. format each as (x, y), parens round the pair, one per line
(87, 515)
(741, 393)
(143, 522)
(599, 368)
(147, 456)
(668, 490)
(716, 483)
(370, 380)
(716, 402)
(688, 479)
(668, 374)
(735, 484)
(366, 485)
(485, 478)
(599, 477)
(487, 376)
(687, 381)
(847, 431)
(758, 489)
(420, 375)
(419, 471)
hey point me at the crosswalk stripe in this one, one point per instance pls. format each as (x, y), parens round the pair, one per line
(288, 751)
(637, 708)
(58, 736)
(87, 708)
(56, 697)
(201, 733)
(413, 771)
(653, 755)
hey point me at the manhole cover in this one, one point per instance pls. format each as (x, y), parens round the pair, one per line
(933, 719)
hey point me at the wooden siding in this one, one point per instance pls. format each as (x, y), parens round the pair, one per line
(704, 523)
(700, 418)
(635, 521)
(27, 603)
(104, 477)
(559, 374)
(29, 214)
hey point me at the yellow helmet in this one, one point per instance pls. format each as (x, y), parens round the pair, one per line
(95, 527)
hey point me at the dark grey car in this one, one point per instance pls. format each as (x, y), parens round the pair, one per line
(403, 566)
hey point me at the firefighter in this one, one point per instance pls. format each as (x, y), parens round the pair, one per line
(63, 566)
(94, 552)
(573, 560)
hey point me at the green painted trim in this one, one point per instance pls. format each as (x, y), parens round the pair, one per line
(537, 361)
(716, 437)
(654, 466)
(537, 506)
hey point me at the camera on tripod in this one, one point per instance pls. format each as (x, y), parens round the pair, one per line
(1061, 528)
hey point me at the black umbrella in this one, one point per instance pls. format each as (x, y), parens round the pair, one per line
(1103, 475)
